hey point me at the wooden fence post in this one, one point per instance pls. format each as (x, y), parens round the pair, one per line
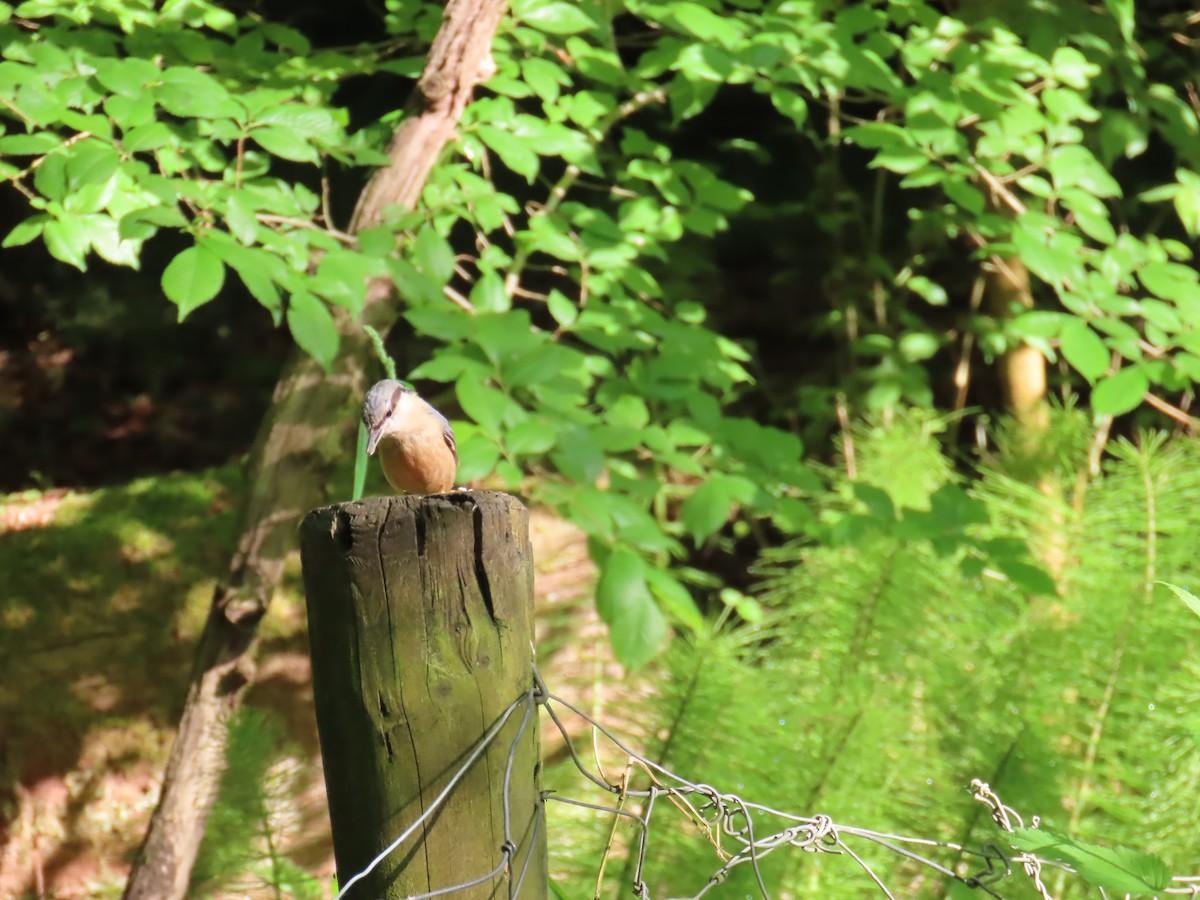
(420, 616)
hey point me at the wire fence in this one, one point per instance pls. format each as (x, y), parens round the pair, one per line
(741, 832)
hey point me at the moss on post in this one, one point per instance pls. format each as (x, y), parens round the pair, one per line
(420, 614)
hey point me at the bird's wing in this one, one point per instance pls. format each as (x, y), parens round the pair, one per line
(448, 435)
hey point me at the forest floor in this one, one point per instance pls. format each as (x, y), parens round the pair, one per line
(106, 592)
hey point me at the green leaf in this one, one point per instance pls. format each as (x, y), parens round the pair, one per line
(701, 22)
(564, 311)
(623, 599)
(191, 93)
(1122, 11)
(1091, 215)
(342, 278)
(555, 17)
(193, 278)
(1075, 166)
(26, 231)
(379, 241)
(513, 151)
(313, 328)
(918, 345)
(67, 240)
(147, 137)
(675, 599)
(29, 144)
(901, 159)
(504, 337)
(241, 218)
(1120, 393)
(877, 501)
(1053, 255)
(140, 224)
(577, 455)
(1122, 135)
(285, 144)
(530, 438)
(306, 121)
(50, 178)
(1118, 870)
(486, 405)
(1039, 323)
(1192, 601)
(128, 77)
(546, 78)
(1070, 67)
(709, 506)
(477, 453)
(932, 292)
(791, 104)
(433, 255)
(104, 235)
(361, 462)
(628, 411)
(258, 269)
(1187, 200)
(1170, 281)
(447, 365)
(1084, 349)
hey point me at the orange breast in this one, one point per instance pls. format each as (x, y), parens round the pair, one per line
(418, 463)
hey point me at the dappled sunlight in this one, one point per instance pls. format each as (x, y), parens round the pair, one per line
(111, 574)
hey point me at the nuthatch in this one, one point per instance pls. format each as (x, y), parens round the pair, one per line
(416, 445)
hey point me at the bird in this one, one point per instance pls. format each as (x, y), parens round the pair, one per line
(416, 445)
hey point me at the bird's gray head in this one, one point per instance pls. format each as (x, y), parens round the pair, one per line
(380, 408)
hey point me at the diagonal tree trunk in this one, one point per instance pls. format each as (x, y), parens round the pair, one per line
(307, 431)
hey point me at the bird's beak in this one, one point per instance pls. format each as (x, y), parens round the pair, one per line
(373, 437)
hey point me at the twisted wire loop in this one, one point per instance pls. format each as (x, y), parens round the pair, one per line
(1003, 816)
(726, 821)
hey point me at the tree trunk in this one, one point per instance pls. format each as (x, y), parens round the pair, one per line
(307, 431)
(1023, 368)
(1023, 381)
(421, 621)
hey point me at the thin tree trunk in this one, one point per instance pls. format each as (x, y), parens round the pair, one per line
(307, 431)
(1023, 368)
(1023, 381)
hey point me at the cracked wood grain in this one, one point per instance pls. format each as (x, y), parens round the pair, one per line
(420, 620)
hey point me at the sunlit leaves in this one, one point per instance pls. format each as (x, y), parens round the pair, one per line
(540, 270)
(192, 278)
(1187, 200)
(513, 151)
(710, 505)
(1119, 870)
(553, 16)
(1189, 599)
(312, 327)
(1121, 392)
(1070, 67)
(625, 603)
(1075, 166)
(191, 93)
(1084, 349)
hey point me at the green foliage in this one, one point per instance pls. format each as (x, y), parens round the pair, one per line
(889, 672)
(247, 826)
(1190, 599)
(555, 226)
(1119, 870)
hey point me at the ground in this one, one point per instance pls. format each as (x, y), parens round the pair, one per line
(106, 593)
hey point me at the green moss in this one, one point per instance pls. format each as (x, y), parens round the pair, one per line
(93, 605)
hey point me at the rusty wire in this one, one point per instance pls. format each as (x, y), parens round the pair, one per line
(725, 820)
